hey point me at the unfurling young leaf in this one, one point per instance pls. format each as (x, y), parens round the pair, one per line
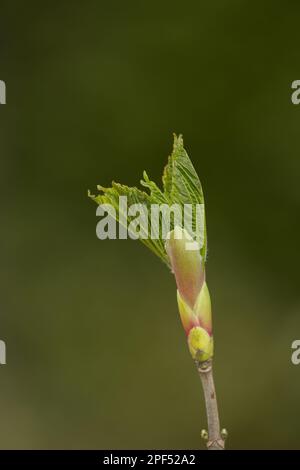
(181, 186)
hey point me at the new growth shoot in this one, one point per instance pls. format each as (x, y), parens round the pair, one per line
(171, 223)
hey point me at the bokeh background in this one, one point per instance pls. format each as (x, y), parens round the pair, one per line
(96, 355)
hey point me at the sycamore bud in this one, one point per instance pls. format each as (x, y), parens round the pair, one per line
(192, 294)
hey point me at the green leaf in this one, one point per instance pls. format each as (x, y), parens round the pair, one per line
(181, 185)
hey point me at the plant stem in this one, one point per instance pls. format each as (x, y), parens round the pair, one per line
(215, 439)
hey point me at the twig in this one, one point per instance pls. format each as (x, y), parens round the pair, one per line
(216, 437)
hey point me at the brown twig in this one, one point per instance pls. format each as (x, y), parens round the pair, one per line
(215, 435)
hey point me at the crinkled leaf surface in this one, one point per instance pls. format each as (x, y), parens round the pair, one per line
(181, 185)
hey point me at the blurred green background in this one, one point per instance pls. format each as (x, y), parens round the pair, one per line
(96, 355)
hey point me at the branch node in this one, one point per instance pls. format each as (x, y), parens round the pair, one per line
(217, 444)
